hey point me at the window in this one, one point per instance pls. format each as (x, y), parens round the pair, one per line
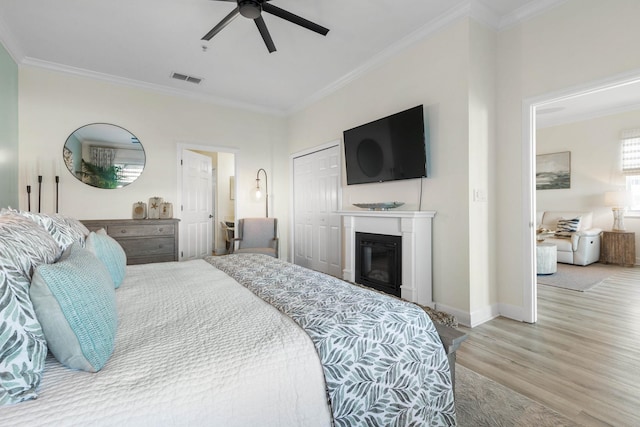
(631, 166)
(633, 186)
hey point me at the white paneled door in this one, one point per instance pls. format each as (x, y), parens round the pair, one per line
(317, 228)
(197, 206)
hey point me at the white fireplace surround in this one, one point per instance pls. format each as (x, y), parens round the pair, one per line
(415, 227)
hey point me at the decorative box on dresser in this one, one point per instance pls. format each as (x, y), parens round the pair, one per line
(618, 247)
(143, 240)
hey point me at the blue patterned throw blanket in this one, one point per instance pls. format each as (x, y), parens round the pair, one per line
(383, 360)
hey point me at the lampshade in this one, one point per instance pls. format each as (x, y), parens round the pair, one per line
(618, 199)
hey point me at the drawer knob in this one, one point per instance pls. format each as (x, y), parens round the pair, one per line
(161, 229)
(123, 231)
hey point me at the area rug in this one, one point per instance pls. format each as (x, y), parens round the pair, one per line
(578, 278)
(484, 402)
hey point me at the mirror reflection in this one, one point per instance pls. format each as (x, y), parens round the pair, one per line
(104, 155)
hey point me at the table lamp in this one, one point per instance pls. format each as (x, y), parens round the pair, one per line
(618, 200)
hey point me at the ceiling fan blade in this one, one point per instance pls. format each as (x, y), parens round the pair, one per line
(227, 19)
(281, 13)
(264, 32)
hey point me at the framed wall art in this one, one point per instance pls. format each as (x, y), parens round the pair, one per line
(553, 171)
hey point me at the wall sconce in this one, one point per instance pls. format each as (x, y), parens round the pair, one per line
(618, 200)
(258, 190)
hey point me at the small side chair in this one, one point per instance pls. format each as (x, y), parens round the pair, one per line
(257, 235)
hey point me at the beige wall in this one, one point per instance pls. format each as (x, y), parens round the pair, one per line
(435, 73)
(574, 44)
(479, 247)
(52, 105)
(483, 290)
(595, 166)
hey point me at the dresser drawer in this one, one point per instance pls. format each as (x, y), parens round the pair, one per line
(147, 247)
(141, 230)
(144, 241)
(149, 259)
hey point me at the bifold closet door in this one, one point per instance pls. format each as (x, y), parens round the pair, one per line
(317, 226)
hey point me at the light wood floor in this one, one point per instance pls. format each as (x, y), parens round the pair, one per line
(582, 357)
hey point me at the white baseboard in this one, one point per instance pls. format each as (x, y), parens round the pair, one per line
(511, 311)
(478, 317)
(462, 317)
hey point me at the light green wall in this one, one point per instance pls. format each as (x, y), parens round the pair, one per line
(8, 130)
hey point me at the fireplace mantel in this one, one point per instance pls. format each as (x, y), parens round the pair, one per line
(415, 228)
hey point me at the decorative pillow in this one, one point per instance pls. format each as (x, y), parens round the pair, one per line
(63, 229)
(80, 231)
(565, 227)
(109, 251)
(75, 302)
(23, 246)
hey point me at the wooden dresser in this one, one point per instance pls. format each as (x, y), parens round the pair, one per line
(143, 240)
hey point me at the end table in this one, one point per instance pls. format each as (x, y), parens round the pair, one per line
(618, 247)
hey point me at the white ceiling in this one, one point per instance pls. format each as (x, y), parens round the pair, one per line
(143, 42)
(616, 98)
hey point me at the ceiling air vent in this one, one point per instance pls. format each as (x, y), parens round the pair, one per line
(186, 78)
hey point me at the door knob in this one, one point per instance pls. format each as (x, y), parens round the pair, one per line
(210, 216)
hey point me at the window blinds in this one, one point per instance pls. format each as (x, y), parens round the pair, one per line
(631, 152)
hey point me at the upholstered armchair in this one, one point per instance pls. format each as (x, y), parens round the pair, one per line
(257, 235)
(579, 247)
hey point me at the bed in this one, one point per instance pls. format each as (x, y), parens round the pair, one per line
(244, 340)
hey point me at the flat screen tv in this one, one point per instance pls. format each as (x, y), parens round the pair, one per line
(387, 149)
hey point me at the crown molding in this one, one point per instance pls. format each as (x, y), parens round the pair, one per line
(474, 9)
(94, 75)
(452, 15)
(483, 14)
(526, 12)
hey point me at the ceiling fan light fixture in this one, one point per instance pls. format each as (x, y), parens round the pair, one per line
(250, 8)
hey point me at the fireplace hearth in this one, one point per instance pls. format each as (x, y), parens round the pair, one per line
(379, 262)
(414, 228)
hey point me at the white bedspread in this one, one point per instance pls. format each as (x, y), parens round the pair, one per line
(193, 348)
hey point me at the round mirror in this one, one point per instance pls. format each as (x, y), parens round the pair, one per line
(104, 155)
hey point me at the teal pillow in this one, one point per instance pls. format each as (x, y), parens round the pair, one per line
(109, 251)
(75, 302)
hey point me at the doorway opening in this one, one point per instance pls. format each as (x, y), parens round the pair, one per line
(206, 187)
(532, 107)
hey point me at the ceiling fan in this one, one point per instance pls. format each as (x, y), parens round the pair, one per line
(252, 9)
